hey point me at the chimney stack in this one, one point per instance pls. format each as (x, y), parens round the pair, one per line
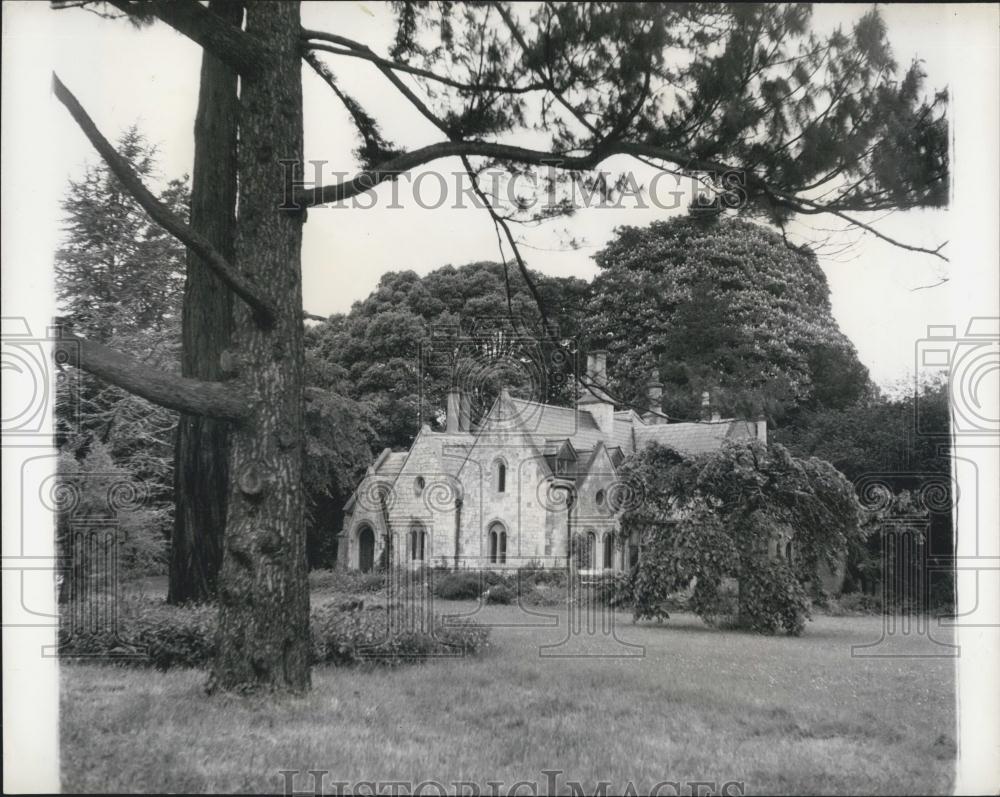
(593, 398)
(453, 415)
(654, 400)
(706, 406)
(761, 429)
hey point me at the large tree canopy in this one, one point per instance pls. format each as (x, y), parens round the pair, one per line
(722, 305)
(404, 346)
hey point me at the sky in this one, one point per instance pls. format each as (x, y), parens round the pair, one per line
(150, 77)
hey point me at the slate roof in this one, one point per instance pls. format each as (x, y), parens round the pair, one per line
(549, 428)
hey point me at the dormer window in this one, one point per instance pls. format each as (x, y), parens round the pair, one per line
(500, 476)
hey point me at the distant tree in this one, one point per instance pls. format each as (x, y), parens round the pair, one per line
(402, 347)
(720, 305)
(118, 281)
(716, 516)
(900, 443)
(338, 435)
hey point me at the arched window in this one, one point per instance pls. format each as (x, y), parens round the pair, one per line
(498, 544)
(418, 542)
(788, 550)
(592, 550)
(366, 549)
(609, 552)
(501, 476)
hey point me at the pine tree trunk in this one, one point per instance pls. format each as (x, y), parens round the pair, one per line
(201, 467)
(263, 638)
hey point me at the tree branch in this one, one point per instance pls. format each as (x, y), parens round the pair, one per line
(162, 215)
(240, 50)
(354, 49)
(192, 396)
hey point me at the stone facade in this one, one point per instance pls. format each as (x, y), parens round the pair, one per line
(527, 484)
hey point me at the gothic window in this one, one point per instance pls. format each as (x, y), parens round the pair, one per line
(609, 552)
(498, 544)
(501, 476)
(418, 542)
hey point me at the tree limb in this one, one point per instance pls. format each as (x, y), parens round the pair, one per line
(242, 51)
(162, 215)
(193, 396)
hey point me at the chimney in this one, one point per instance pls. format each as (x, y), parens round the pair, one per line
(597, 366)
(465, 411)
(453, 414)
(761, 429)
(654, 399)
(592, 398)
(706, 406)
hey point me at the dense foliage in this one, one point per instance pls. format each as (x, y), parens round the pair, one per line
(119, 281)
(399, 350)
(720, 305)
(896, 448)
(716, 517)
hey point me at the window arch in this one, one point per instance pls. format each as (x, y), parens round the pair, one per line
(418, 542)
(500, 476)
(498, 544)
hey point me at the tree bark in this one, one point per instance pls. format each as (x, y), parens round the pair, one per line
(201, 468)
(263, 637)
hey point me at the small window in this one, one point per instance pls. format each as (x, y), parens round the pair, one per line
(498, 544)
(788, 551)
(418, 543)
(501, 477)
(609, 552)
(599, 498)
(418, 485)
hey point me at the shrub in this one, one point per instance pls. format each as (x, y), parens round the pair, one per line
(344, 638)
(501, 594)
(460, 585)
(152, 633)
(148, 632)
(858, 603)
(347, 581)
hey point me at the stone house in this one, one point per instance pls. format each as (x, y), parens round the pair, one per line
(514, 487)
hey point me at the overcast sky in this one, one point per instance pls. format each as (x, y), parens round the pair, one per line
(150, 77)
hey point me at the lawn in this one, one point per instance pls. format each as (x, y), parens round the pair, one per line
(779, 714)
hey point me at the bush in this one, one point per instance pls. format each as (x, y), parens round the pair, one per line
(460, 585)
(501, 594)
(347, 581)
(152, 633)
(148, 632)
(857, 603)
(344, 638)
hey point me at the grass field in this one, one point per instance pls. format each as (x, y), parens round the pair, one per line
(780, 714)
